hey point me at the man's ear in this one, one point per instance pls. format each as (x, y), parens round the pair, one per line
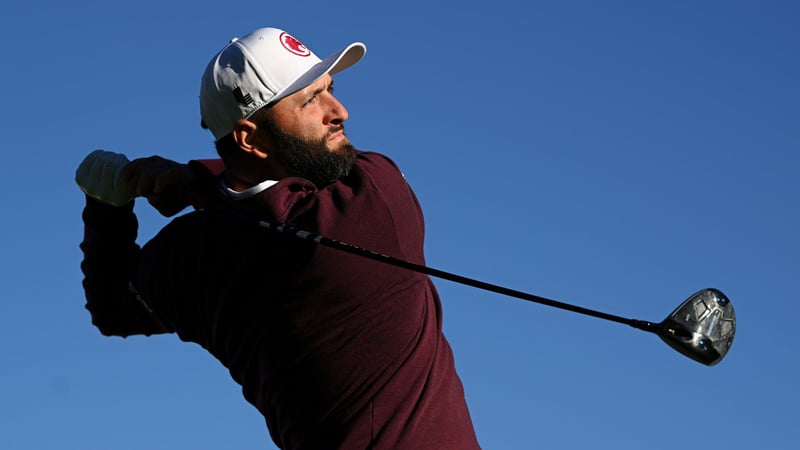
(244, 133)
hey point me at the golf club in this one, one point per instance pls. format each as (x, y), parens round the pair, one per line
(701, 328)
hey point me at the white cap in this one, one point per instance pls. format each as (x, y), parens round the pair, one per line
(262, 68)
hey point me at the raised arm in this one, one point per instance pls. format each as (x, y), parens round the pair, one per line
(111, 255)
(110, 263)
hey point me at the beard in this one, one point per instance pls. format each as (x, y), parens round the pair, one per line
(311, 159)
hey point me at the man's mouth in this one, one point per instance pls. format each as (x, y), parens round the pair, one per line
(336, 133)
(336, 136)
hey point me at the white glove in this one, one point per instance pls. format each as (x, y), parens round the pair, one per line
(99, 177)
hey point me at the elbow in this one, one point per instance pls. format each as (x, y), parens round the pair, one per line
(124, 324)
(108, 327)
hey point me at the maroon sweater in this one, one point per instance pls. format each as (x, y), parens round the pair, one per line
(335, 350)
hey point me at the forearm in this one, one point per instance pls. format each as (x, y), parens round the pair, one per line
(110, 262)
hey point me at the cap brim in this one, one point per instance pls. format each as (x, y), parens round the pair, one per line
(332, 64)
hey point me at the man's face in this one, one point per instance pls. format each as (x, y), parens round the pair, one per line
(313, 113)
(307, 134)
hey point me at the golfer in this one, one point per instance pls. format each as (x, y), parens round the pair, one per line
(335, 350)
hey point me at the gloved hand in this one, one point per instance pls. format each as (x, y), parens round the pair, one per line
(99, 177)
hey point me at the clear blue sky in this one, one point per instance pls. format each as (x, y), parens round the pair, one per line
(619, 155)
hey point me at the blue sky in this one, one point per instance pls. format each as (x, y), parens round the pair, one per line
(619, 155)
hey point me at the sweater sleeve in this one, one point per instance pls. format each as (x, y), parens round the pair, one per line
(110, 263)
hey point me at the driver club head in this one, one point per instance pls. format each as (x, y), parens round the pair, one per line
(702, 327)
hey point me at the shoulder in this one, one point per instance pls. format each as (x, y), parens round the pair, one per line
(376, 161)
(379, 171)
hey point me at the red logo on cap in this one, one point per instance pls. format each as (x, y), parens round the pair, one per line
(293, 45)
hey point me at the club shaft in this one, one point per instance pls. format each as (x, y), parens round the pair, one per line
(352, 249)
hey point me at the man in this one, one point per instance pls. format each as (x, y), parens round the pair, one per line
(335, 350)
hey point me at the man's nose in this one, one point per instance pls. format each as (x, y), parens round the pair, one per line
(336, 113)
